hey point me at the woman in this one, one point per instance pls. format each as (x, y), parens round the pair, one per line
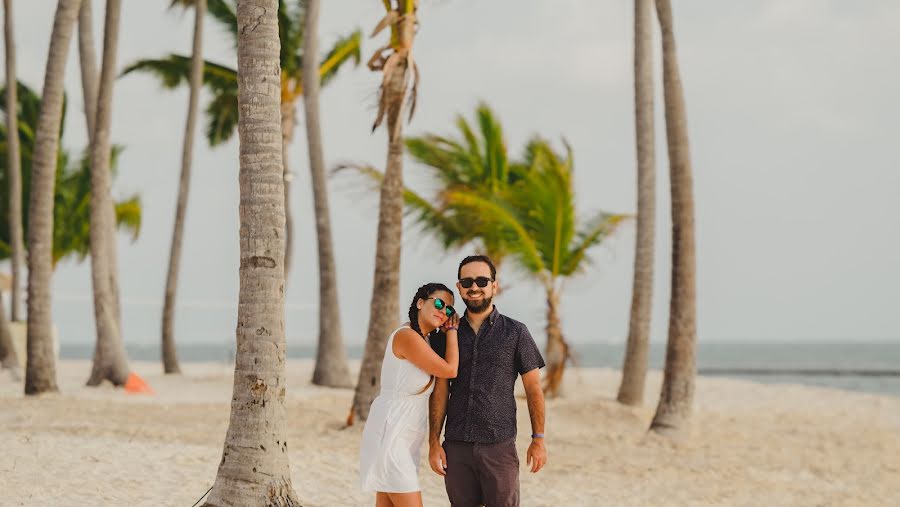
(398, 419)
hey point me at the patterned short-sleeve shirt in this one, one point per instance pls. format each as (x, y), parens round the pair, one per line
(482, 407)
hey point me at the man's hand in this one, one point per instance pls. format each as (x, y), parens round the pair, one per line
(537, 455)
(437, 458)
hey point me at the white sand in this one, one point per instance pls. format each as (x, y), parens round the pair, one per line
(750, 444)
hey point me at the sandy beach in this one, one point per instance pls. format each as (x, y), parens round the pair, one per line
(750, 444)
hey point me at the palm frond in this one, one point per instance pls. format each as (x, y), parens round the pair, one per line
(175, 70)
(344, 50)
(494, 146)
(593, 233)
(502, 218)
(128, 216)
(546, 203)
(424, 213)
(222, 118)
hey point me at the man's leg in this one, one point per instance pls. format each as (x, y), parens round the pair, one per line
(461, 480)
(497, 466)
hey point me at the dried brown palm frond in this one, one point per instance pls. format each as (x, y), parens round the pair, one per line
(395, 61)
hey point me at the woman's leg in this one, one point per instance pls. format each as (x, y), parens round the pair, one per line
(406, 499)
(383, 500)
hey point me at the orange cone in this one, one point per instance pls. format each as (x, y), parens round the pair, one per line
(136, 385)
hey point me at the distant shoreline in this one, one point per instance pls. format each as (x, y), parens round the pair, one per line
(861, 367)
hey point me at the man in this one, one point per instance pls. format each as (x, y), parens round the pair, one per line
(478, 458)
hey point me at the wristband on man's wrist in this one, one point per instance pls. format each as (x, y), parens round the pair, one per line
(537, 435)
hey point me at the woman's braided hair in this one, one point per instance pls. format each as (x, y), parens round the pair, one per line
(425, 292)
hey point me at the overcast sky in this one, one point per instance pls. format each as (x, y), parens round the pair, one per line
(793, 116)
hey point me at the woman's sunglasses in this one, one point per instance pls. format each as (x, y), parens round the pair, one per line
(481, 281)
(441, 305)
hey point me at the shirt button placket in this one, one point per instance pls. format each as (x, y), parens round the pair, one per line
(469, 435)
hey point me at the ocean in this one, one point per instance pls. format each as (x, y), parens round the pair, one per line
(868, 367)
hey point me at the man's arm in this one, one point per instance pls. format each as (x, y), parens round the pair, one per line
(437, 410)
(537, 451)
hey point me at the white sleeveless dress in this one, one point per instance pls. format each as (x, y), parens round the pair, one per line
(396, 428)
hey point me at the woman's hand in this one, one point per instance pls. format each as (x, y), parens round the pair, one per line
(451, 322)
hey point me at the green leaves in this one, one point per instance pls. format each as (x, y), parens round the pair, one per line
(520, 209)
(71, 208)
(222, 111)
(174, 70)
(344, 50)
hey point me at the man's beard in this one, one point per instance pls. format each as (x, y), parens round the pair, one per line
(478, 306)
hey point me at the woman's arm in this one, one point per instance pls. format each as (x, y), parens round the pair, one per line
(409, 345)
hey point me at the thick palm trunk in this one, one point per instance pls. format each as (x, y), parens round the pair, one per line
(331, 358)
(634, 369)
(14, 167)
(677, 392)
(109, 354)
(169, 353)
(254, 470)
(288, 122)
(40, 368)
(557, 348)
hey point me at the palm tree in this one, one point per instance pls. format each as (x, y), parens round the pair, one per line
(395, 61)
(89, 80)
(634, 368)
(17, 241)
(72, 189)
(468, 162)
(110, 362)
(254, 469)
(677, 393)
(169, 353)
(40, 368)
(222, 113)
(331, 359)
(537, 215)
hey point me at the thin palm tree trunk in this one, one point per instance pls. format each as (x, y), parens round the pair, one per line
(384, 307)
(254, 470)
(40, 368)
(169, 352)
(88, 58)
(89, 83)
(331, 358)
(109, 355)
(634, 368)
(557, 348)
(677, 392)
(14, 167)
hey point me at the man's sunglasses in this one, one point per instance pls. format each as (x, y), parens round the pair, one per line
(441, 305)
(481, 281)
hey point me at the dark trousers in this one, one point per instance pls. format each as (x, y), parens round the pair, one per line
(482, 474)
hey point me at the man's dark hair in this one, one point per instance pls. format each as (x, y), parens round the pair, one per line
(477, 258)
